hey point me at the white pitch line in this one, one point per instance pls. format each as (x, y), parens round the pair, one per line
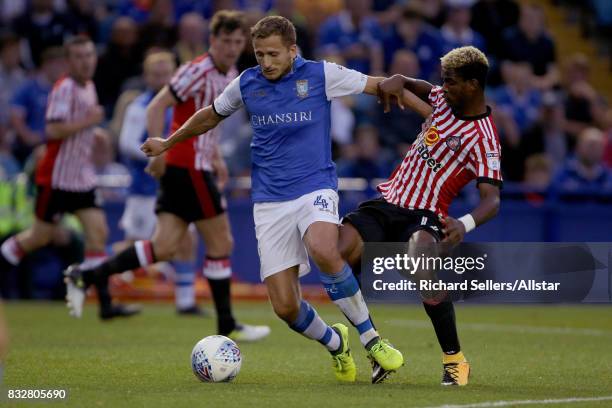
(506, 328)
(525, 402)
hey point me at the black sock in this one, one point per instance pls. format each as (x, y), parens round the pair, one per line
(125, 260)
(104, 296)
(220, 289)
(442, 316)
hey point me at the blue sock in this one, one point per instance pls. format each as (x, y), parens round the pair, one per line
(184, 284)
(343, 290)
(309, 324)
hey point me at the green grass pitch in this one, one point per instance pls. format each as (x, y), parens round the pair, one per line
(517, 353)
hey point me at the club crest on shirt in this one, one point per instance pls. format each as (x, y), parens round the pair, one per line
(432, 136)
(493, 160)
(301, 86)
(453, 142)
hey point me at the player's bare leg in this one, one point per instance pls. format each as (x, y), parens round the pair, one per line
(14, 248)
(321, 240)
(169, 231)
(95, 231)
(440, 310)
(286, 299)
(219, 243)
(35, 237)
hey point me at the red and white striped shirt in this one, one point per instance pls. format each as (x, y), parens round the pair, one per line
(67, 163)
(447, 154)
(196, 85)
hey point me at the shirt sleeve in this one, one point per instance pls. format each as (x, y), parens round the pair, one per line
(486, 159)
(342, 81)
(187, 80)
(434, 95)
(132, 132)
(58, 105)
(230, 99)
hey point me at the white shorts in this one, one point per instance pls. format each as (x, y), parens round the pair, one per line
(139, 219)
(280, 227)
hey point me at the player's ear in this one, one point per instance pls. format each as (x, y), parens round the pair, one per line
(473, 84)
(293, 50)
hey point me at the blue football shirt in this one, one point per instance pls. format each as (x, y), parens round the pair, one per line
(290, 117)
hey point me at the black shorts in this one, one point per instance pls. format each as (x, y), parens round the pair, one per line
(379, 221)
(51, 203)
(190, 194)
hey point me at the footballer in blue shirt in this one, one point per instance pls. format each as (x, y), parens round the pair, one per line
(294, 186)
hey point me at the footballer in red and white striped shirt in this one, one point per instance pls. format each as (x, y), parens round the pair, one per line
(449, 153)
(195, 86)
(458, 143)
(65, 176)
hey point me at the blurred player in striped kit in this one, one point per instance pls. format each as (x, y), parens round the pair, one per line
(138, 220)
(458, 144)
(65, 177)
(188, 187)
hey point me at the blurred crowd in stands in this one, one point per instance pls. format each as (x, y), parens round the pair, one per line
(555, 126)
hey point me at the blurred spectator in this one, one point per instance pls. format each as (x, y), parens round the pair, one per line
(432, 10)
(517, 98)
(586, 172)
(9, 166)
(365, 158)
(317, 11)
(387, 12)
(456, 31)
(120, 61)
(191, 37)
(354, 35)
(29, 103)
(530, 42)
(81, 19)
(400, 126)
(547, 135)
(260, 6)
(490, 18)
(159, 29)
(247, 58)
(42, 27)
(538, 172)
(584, 107)
(414, 34)
(11, 74)
(286, 8)
(11, 9)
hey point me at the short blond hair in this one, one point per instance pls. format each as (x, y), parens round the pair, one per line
(469, 62)
(157, 57)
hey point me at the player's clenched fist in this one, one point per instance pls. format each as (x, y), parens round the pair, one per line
(154, 146)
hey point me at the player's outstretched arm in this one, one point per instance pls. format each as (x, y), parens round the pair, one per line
(156, 112)
(455, 229)
(199, 123)
(406, 92)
